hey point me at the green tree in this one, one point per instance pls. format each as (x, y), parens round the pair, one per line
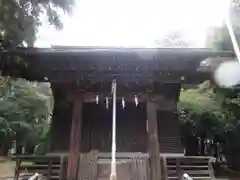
(20, 19)
(209, 111)
(173, 40)
(228, 99)
(201, 115)
(219, 38)
(25, 109)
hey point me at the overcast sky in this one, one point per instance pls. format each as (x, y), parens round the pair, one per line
(134, 23)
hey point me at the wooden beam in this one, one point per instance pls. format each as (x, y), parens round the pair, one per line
(170, 91)
(153, 142)
(163, 102)
(75, 138)
(131, 78)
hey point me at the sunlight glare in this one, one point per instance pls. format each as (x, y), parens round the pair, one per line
(228, 74)
(135, 23)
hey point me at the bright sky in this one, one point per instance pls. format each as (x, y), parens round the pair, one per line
(132, 23)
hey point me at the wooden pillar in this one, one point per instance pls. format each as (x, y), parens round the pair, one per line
(153, 143)
(75, 137)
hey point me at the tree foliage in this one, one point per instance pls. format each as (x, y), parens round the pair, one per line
(25, 109)
(219, 39)
(173, 40)
(200, 99)
(20, 19)
(201, 115)
(213, 112)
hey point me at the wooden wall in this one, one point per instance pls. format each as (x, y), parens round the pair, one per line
(131, 128)
(61, 122)
(97, 127)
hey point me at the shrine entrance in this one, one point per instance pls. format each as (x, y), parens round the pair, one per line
(144, 133)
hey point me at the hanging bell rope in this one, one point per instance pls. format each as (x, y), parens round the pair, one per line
(113, 162)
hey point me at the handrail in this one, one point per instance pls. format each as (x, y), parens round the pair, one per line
(185, 176)
(35, 176)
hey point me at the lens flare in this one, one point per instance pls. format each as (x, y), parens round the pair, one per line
(227, 74)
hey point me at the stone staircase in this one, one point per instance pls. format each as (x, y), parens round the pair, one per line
(169, 133)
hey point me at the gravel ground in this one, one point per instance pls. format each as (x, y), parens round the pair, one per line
(6, 168)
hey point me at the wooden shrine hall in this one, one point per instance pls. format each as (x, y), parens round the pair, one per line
(148, 140)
